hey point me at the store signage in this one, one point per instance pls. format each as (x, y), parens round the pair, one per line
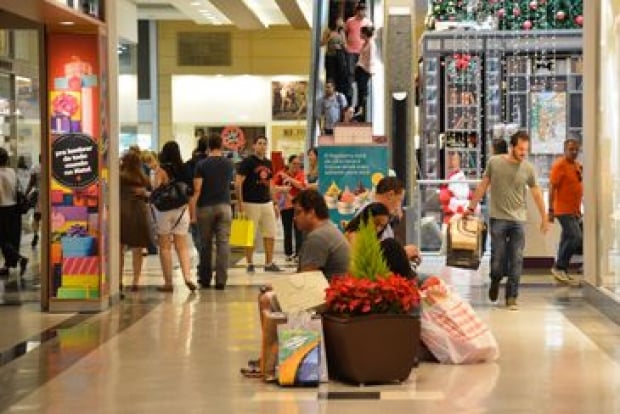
(75, 160)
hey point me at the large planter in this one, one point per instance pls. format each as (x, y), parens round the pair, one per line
(371, 349)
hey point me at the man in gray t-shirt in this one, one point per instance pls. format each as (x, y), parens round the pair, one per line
(509, 175)
(325, 247)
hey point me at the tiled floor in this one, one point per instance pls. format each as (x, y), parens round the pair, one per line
(182, 352)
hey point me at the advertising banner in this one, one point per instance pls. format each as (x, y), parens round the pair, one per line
(348, 176)
(76, 117)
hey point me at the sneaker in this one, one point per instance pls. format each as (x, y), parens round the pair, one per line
(290, 258)
(272, 268)
(250, 268)
(494, 290)
(560, 275)
(511, 304)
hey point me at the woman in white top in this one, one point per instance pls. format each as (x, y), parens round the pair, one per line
(10, 218)
(364, 71)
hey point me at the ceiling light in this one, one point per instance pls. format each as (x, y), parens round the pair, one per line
(195, 3)
(67, 23)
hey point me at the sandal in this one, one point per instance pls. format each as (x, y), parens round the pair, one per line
(251, 372)
(164, 288)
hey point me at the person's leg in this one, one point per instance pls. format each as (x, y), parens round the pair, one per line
(252, 212)
(182, 249)
(165, 257)
(268, 224)
(514, 253)
(569, 240)
(222, 237)
(268, 244)
(498, 255)
(206, 218)
(136, 253)
(197, 240)
(287, 227)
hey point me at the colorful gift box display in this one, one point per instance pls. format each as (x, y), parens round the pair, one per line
(80, 266)
(87, 197)
(78, 246)
(56, 253)
(65, 218)
(77, 293)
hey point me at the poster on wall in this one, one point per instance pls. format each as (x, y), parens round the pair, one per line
(548, 122)
(236, 140)
(289, 139)
(288, 100)
(348, 176)
(75, 120)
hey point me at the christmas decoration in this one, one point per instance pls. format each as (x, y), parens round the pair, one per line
(513, 14)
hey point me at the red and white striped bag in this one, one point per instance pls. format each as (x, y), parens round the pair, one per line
(453, 332)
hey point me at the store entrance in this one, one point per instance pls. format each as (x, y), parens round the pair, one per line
(20, 136)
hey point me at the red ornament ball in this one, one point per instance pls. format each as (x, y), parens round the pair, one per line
(527, 25)
(560, 15)
(501, 13)
(579, 20)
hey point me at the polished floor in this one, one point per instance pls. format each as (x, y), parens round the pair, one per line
(182, 352)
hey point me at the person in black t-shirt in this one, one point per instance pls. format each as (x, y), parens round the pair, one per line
(199, 154)
(253, 185)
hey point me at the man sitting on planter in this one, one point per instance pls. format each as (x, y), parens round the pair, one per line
(325, 248)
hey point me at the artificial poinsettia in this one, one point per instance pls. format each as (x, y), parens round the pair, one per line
(370, 287)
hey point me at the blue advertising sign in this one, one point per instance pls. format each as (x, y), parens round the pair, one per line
(348, 176)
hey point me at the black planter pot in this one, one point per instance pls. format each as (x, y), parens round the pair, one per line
(371, 349)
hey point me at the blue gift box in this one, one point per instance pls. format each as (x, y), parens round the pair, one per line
(78, 246)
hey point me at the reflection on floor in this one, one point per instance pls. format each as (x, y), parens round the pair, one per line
(159, 352)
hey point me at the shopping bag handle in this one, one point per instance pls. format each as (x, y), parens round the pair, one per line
(241, 215)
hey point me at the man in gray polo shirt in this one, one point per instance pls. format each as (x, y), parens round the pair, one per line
(331, 108)
(509, 175)
(324, 247)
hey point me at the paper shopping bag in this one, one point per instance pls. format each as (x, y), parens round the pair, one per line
(300, 291)
(464, 241)
(242, 232)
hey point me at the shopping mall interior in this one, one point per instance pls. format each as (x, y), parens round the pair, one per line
(426, 94)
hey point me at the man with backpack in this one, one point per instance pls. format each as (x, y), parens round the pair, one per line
(331, 108)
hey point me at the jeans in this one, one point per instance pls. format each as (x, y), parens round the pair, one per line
(362, 79)
(289, 228)
(570, 240)
(214, 221)
(196, 238)
(507, 242)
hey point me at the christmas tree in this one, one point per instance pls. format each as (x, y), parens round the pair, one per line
(367, 261)
(514, 14)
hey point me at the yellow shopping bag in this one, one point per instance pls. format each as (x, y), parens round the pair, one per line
(242, 232)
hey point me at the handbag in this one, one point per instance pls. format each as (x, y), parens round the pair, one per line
(21, 200)
(242, 232)
(170, 196)
(464, 241)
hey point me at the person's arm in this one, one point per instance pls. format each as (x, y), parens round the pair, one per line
(540, 204)
(552, 190)
(478, 194)
(194, 199)
(239, 179)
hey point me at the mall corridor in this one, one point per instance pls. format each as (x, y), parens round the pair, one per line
(182, 352)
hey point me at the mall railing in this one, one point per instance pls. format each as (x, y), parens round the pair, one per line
(427, 213)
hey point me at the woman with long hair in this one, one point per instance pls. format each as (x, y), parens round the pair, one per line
(380, 219)
(172, 225)
(288, 184)
(135, 226)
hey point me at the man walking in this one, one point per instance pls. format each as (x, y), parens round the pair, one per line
(508, 175)
(565, 196)
(253, 185)
(210, 208)
(199, 154)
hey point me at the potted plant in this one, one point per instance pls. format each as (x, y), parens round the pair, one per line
(371, 334)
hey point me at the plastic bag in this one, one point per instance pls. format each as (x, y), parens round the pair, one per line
(453, 332)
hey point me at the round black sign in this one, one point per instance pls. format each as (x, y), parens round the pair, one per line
(75, 160)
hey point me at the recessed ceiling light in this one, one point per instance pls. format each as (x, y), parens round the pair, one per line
(67, 23)
(195, 3)
(203, 11)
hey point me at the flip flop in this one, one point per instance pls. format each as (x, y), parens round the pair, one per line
(251, 373)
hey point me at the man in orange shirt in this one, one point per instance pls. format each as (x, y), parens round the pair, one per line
(565, 195)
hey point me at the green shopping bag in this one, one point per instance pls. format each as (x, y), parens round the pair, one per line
(242, 232)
